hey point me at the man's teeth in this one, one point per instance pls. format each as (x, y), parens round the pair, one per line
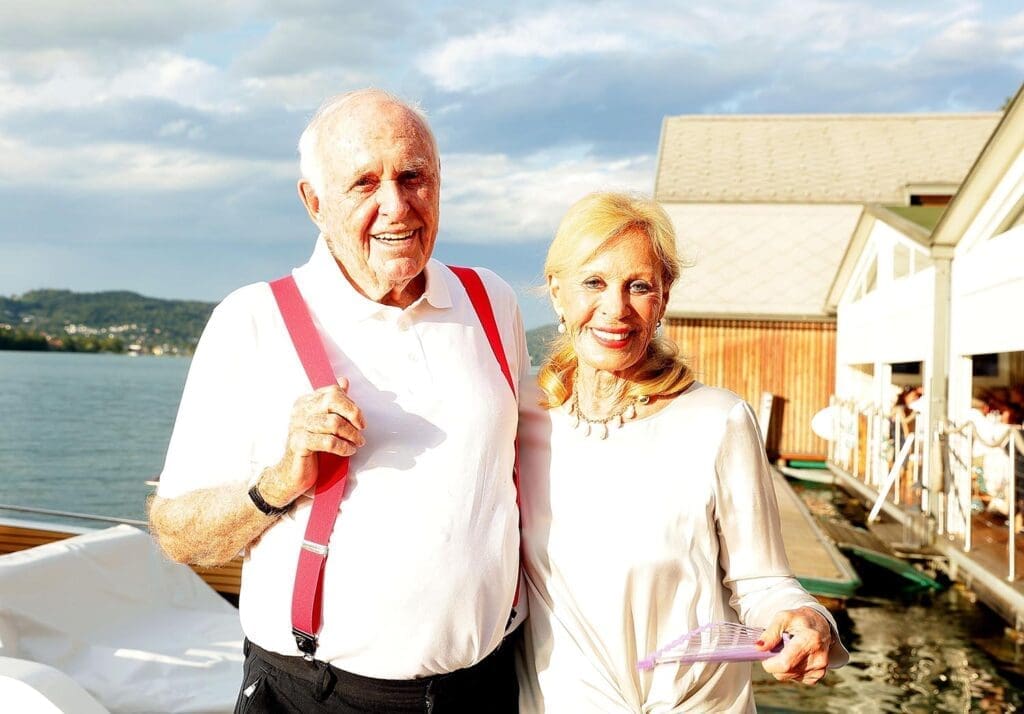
(394, 236)
(614, 336)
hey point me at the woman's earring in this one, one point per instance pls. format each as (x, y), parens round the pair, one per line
(657, 328)
(561, 324)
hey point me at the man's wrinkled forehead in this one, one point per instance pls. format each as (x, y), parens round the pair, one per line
(376, 123)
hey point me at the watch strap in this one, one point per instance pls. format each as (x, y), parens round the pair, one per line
(263, 506)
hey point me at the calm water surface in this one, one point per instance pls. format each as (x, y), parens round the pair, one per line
(909, 651)
(84, 432)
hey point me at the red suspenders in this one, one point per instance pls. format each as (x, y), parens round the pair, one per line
(333, 470)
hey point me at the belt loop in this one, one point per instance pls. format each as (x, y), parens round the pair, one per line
(326, 682)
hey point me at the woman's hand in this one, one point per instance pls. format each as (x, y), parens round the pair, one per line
(805, 657)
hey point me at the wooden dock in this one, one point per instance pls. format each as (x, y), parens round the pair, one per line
(983, 569)
(818, 564)
(869, 545)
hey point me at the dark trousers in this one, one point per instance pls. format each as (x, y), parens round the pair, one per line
(277, 684)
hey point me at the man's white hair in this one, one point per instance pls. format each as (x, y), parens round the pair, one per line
(310, 159)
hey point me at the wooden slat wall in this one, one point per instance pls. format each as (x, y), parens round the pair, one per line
(795, 361)
(1017, 368)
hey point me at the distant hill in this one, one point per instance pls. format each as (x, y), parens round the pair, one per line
(106, 321)
(538, 341)
(119, 320)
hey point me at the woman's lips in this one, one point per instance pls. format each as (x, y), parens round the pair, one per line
(613, 339)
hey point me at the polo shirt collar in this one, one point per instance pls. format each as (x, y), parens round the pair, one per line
(329, 283)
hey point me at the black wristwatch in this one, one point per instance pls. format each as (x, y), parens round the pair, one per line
(257, 499)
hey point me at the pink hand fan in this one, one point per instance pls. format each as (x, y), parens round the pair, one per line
(715, 642)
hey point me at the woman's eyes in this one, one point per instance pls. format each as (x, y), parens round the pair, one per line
(637, 287)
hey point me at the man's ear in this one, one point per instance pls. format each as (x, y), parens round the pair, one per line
(307, 194)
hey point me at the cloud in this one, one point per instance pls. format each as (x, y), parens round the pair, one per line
(98, 168)
(496, 198)
(110, 25)
(71, 80)
(259, 134)
(491, 93)
(492, 57)
(524, 47)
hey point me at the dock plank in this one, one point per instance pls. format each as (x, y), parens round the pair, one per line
(817, 563)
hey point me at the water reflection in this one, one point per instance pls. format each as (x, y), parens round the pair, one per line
(910, 651)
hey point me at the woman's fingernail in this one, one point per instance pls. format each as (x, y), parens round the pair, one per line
(760, 643)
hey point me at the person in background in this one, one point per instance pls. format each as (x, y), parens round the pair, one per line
(648, 507)
(423, 560)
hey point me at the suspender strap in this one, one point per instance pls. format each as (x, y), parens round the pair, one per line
(474, 286)
(332, 473)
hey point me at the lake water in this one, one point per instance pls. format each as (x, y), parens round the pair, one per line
(910, 651)
(84, 432)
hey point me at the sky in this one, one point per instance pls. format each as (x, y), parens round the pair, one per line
(150, 145)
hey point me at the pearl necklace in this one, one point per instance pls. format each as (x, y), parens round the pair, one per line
(600, 426)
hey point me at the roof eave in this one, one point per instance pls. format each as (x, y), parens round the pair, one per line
(855, 246)
(1002, 147)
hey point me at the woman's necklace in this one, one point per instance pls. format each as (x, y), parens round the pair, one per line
(600, 426)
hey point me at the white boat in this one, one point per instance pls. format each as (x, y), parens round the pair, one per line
(95, 621)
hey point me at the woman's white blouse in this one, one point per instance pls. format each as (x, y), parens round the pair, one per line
(668, 524)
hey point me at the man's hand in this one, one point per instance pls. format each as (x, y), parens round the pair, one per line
(805, 657)
(325, 421)
(210, 526)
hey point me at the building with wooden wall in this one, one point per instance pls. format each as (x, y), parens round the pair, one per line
(765, 208)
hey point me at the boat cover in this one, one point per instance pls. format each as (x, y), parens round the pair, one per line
(138, 632)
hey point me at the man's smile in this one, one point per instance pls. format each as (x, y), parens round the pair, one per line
(394, 237)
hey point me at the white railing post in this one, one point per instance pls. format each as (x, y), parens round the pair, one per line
(969, 461)
(919, 468)
(871, 457)
(896, 429)
(856, 445)
(1011, 516)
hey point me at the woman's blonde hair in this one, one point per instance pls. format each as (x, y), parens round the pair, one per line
(591, 225)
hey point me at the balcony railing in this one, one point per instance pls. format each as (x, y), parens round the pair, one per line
(981, 464)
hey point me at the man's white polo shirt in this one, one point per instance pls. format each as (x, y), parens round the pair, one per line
(422, 565)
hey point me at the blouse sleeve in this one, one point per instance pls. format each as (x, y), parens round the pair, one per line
(753, 557)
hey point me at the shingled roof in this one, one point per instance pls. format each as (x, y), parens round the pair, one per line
(814, 158)
(766, 205)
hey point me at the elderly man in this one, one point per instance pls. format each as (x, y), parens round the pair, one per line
(422, 569)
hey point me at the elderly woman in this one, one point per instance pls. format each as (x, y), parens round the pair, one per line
(648, 509)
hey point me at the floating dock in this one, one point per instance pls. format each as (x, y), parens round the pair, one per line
(981, 568)
(818, 564)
